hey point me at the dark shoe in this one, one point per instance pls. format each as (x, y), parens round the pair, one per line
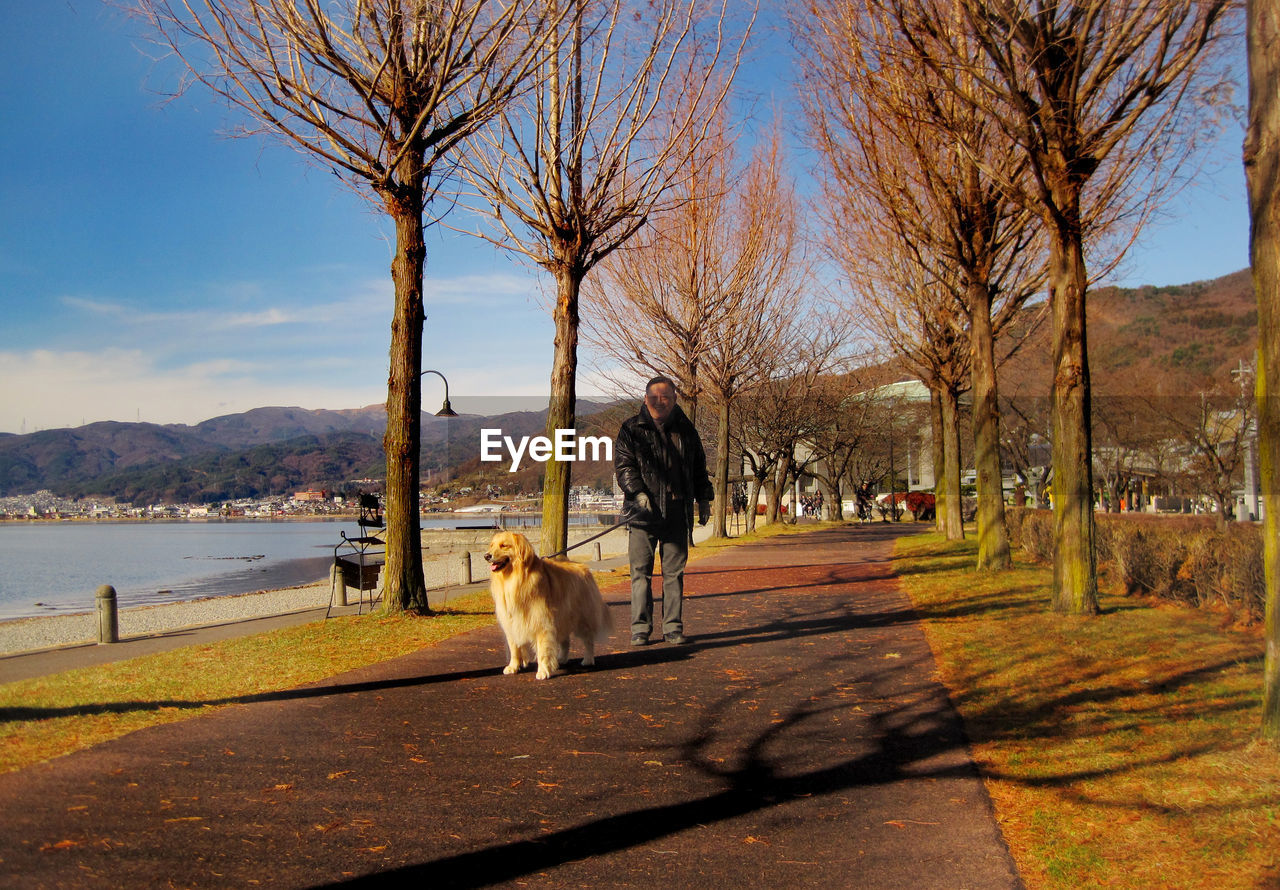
(639, 639)
(676, 639)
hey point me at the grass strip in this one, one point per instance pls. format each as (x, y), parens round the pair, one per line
(1120, 751)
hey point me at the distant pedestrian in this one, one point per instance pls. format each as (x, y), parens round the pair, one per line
(662, 470)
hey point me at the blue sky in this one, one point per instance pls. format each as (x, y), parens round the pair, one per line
(152, 268)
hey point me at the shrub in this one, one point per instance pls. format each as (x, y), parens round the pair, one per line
(1032, 530)
(1180, 558)
(1013, 519)
(921, 504)
(1125, 552)
(1225, 568)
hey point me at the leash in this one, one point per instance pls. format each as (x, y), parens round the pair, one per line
(619, 524)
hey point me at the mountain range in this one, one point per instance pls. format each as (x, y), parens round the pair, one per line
(259, 453)
(1172, 339)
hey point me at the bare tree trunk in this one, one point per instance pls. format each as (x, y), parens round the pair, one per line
(1262, 166)
(557, 477)
(1225, 503)
(778, 488)
(1075, 581)
(941, 519)
(753, 500)
(722, 471)
(403, 586)
(950, 403)
(561, 411)
(993, 538)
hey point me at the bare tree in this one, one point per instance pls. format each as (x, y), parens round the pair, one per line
(756, 431)
(1094, 94)
(621, 111)
(1127, 437)
(1262, 169)
(938, 168)
(380, 92)
(778, 412)
(710, 292)
(846, 426)
(653, 305)
(1212, 428)
(1024, 438)
(864, 202)
(757, 267)
(907, 310)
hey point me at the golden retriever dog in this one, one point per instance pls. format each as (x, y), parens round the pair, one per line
(541, 603)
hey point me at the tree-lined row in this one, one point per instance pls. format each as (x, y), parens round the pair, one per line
(972, 152)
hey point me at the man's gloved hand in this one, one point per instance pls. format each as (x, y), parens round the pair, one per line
(643, 504)
(704, 512)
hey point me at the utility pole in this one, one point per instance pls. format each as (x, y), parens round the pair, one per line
(1243, 373)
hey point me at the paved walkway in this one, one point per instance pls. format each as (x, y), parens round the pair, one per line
(800, 741)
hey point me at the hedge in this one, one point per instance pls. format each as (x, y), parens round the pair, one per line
(1182, 558)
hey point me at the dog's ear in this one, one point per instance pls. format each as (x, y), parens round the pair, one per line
(524, 550)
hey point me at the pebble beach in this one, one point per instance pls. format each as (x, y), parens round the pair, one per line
(443, 566)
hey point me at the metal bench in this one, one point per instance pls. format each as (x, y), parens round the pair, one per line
(358, 561)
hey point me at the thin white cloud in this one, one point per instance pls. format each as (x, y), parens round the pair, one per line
(264, 318)
(181, 362)
(95, 307)
(177, 326)
(48, 390)
(486, 288)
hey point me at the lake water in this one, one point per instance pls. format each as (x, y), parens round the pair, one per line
(47, 568)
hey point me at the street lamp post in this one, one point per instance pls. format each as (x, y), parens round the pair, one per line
(446, 411)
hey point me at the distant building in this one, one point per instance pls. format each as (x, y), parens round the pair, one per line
(311, 496)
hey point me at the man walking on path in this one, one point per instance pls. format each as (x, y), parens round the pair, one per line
(662, 471)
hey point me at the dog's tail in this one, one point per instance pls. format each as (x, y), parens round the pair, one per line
(604, 624)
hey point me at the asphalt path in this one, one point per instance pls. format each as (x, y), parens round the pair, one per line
(800, 740)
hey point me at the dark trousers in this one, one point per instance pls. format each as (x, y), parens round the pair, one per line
(672, 542)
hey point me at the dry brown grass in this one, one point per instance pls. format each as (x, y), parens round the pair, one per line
(1120, 751)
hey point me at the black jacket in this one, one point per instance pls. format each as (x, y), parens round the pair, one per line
(661, 465)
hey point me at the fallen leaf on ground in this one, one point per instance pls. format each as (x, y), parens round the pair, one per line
(60, 845)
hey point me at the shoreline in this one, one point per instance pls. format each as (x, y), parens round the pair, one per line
(71, 590)
(335, 516)
(442, 568)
